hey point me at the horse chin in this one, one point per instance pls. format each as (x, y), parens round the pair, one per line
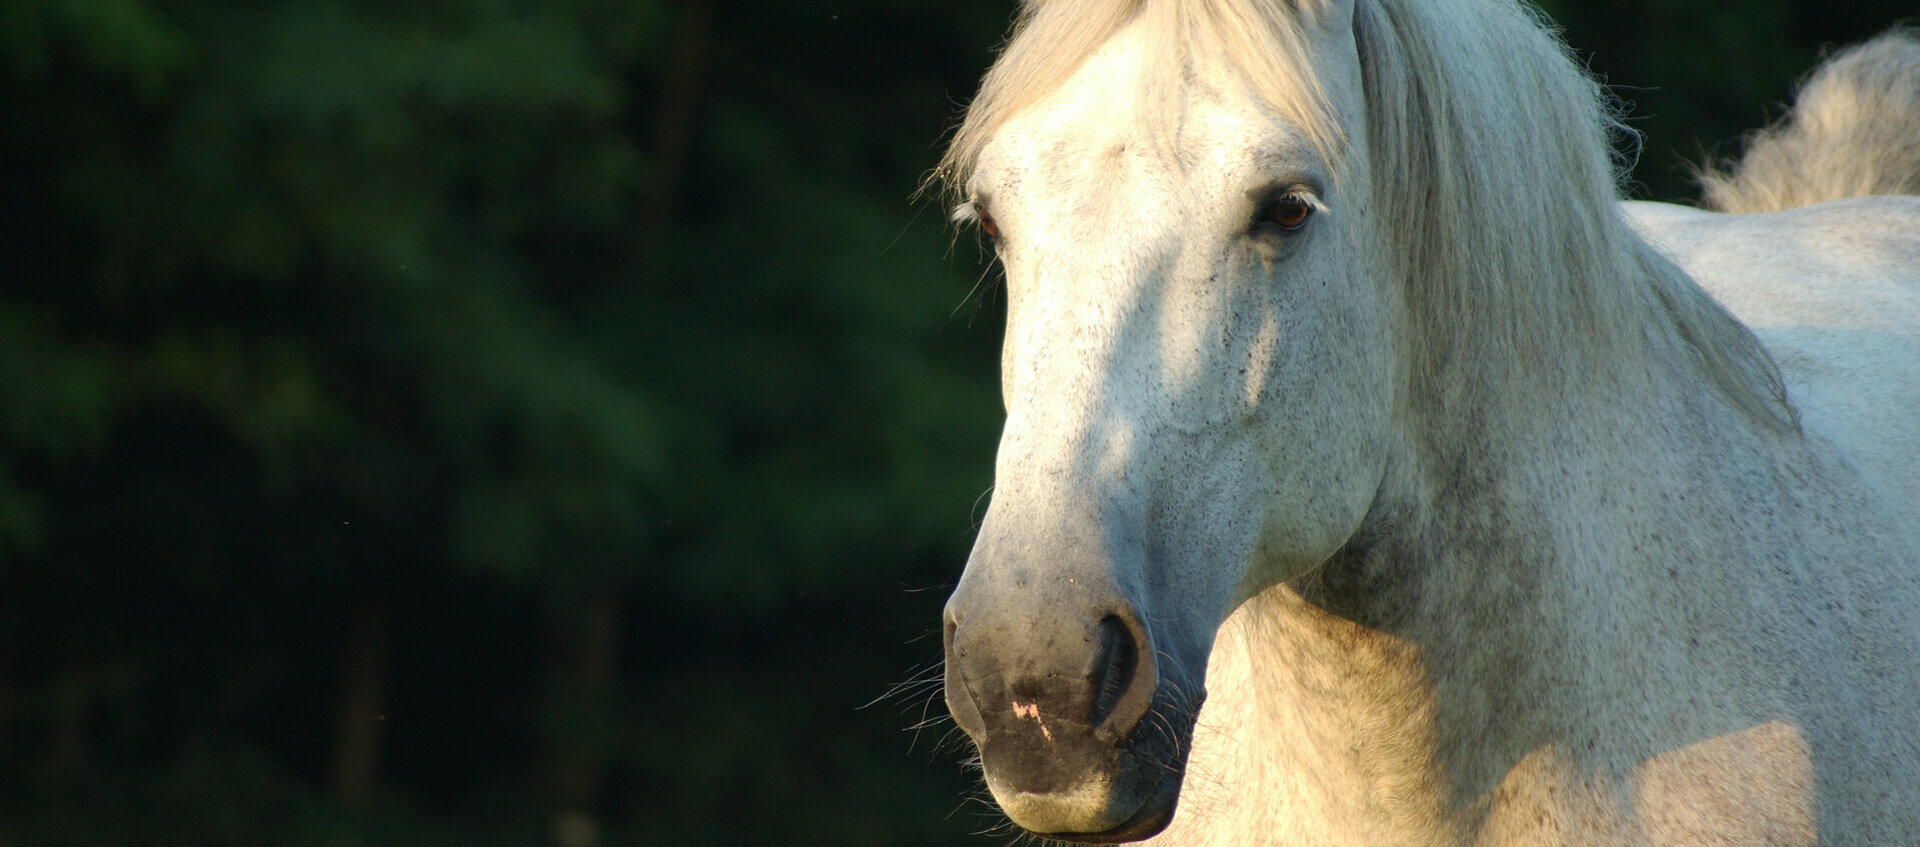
(1152, 817)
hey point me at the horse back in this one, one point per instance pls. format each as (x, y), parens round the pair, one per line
(1833, 293)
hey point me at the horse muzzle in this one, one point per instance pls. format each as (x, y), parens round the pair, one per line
(1060, 686)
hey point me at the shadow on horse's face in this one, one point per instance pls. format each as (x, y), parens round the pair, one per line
(1197, 376)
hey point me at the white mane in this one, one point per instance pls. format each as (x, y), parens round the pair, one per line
(1511, 243)
(1051, 38)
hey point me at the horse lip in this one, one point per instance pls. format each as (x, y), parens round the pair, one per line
(1156, 813)
(1152, 817)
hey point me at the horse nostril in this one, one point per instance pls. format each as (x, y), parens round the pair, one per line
(1121, 696)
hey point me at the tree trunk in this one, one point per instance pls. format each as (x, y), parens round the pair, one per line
(673, 123)
(363, 693)
(590, 631)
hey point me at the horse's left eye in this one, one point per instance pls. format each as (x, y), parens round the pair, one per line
(1288, 212)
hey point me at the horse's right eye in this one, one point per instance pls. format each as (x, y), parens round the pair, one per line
(988, 226)
(1288, 212)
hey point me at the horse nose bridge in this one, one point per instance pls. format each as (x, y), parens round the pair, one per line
(1073, 471)
(1091, 346)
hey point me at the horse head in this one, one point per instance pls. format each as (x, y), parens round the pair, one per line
(1197, 376)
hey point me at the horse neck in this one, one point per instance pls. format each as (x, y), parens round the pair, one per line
(1471, 624)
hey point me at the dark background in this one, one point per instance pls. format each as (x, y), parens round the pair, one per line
(486, 422)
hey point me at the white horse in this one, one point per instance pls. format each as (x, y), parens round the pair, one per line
(1343, 396)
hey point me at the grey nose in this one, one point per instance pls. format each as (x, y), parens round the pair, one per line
(1048, 693)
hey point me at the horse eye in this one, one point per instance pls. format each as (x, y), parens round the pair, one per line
(988, 226)
(1289, 212)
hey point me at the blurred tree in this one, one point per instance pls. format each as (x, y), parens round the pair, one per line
(320, 314)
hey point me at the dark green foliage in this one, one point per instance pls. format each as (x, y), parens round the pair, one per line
(430, 423)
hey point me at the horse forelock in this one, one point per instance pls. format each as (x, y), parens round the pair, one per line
(1265, 42)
